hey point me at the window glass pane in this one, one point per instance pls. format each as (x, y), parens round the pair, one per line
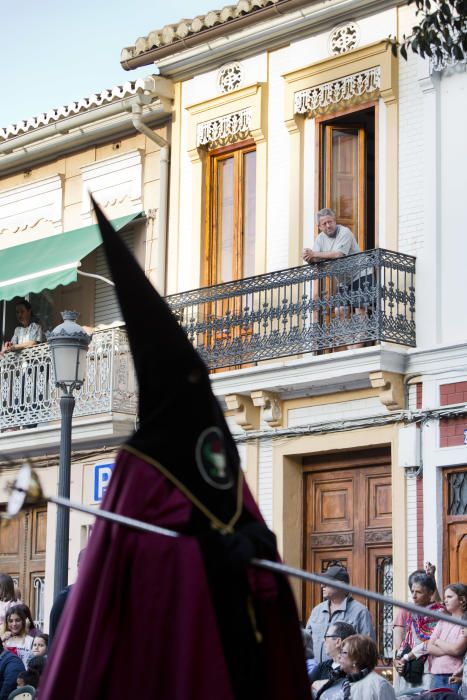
(225, 216)
(249, 213)
(457, 504)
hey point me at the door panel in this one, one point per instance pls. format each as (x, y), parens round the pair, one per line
(333, 504)
(22, 555)
(345, 177)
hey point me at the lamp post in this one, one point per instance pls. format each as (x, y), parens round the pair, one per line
(68, 344)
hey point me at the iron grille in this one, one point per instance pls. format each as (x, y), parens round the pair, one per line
(457, 493)
(365, 297)
(384, 616)
(38, 587)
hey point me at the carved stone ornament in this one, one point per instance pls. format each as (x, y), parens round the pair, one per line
(241, 407)
(271, 405)
(350, 88)
(230, 77)
(344, 38)
(224, 130)
(344, 539)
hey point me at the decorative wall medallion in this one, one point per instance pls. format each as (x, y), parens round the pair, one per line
(228, 129)
(230, 77)
(344, 38)
(332, 540)
(378, 536)
(350, 88)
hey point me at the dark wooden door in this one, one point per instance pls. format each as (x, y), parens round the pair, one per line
(22, 555)
(455, 525)
(348, 519)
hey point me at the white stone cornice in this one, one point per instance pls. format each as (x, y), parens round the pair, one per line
(438, 358)
(113, 181)
(322, 98)
(227, 129)
(313, 375)
(24, 206)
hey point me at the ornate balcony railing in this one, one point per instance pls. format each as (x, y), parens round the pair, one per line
(27, 388)
(362, 298)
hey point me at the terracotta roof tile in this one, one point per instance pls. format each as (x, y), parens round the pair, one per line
(171, 33)
(131, 87)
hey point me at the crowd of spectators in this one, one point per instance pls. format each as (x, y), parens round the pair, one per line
(429, 655)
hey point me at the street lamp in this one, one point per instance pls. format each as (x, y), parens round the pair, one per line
(68, 344)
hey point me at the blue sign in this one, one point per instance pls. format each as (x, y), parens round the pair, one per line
(102, 474)
(465, 436)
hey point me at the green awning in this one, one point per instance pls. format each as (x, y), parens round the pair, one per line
(48, 262)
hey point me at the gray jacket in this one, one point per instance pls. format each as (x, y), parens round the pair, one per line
(350, 611)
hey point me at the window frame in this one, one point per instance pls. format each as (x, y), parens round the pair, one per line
(211, 242)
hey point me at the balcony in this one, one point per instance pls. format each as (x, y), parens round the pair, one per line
(307, 309)
(27, 387)
(364, 298)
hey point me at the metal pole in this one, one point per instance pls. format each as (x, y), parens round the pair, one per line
(67, 405)
(273, 566)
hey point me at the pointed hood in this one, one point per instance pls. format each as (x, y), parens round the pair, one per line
(182, 430)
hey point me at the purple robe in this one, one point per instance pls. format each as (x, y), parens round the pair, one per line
(140, 622)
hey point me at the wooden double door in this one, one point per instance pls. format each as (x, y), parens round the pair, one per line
(348, 520)
(22, 556)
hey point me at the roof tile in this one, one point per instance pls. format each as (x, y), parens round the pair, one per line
(98, 99)
(171, 33)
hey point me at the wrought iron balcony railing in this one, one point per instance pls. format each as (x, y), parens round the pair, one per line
(27, 387)
(362, 298)
(365, 297)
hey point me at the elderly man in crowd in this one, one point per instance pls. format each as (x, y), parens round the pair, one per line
(337, 241)
(337, 606)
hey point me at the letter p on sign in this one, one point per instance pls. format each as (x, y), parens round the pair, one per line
(102, 474)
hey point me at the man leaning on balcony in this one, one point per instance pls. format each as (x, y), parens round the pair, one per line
(334, 241)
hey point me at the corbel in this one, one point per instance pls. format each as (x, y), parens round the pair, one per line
(271, 405)
(241, 407)
(391, 389)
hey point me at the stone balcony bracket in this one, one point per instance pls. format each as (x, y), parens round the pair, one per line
(271, 406)
(242, 408)
(391, 389)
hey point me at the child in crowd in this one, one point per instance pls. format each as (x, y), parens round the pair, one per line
(40, 645)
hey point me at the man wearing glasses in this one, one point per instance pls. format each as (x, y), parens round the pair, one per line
(336, 607)
(329, 672)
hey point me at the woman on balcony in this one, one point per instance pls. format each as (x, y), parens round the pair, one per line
(28, 333)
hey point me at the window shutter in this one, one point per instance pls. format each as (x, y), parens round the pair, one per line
(106, 309)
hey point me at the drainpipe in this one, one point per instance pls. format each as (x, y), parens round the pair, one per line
(163, 144)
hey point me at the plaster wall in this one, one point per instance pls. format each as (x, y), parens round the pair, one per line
(337, 411)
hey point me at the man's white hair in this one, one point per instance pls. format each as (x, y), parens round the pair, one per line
(324, 212)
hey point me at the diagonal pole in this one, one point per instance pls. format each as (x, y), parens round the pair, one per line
(260, 563)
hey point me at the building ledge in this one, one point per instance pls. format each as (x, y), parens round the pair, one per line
(313, 375)
(88, 432)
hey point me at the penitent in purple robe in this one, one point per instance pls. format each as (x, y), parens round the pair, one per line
(182, 618)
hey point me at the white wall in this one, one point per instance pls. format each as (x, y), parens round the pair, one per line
(453, 195)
